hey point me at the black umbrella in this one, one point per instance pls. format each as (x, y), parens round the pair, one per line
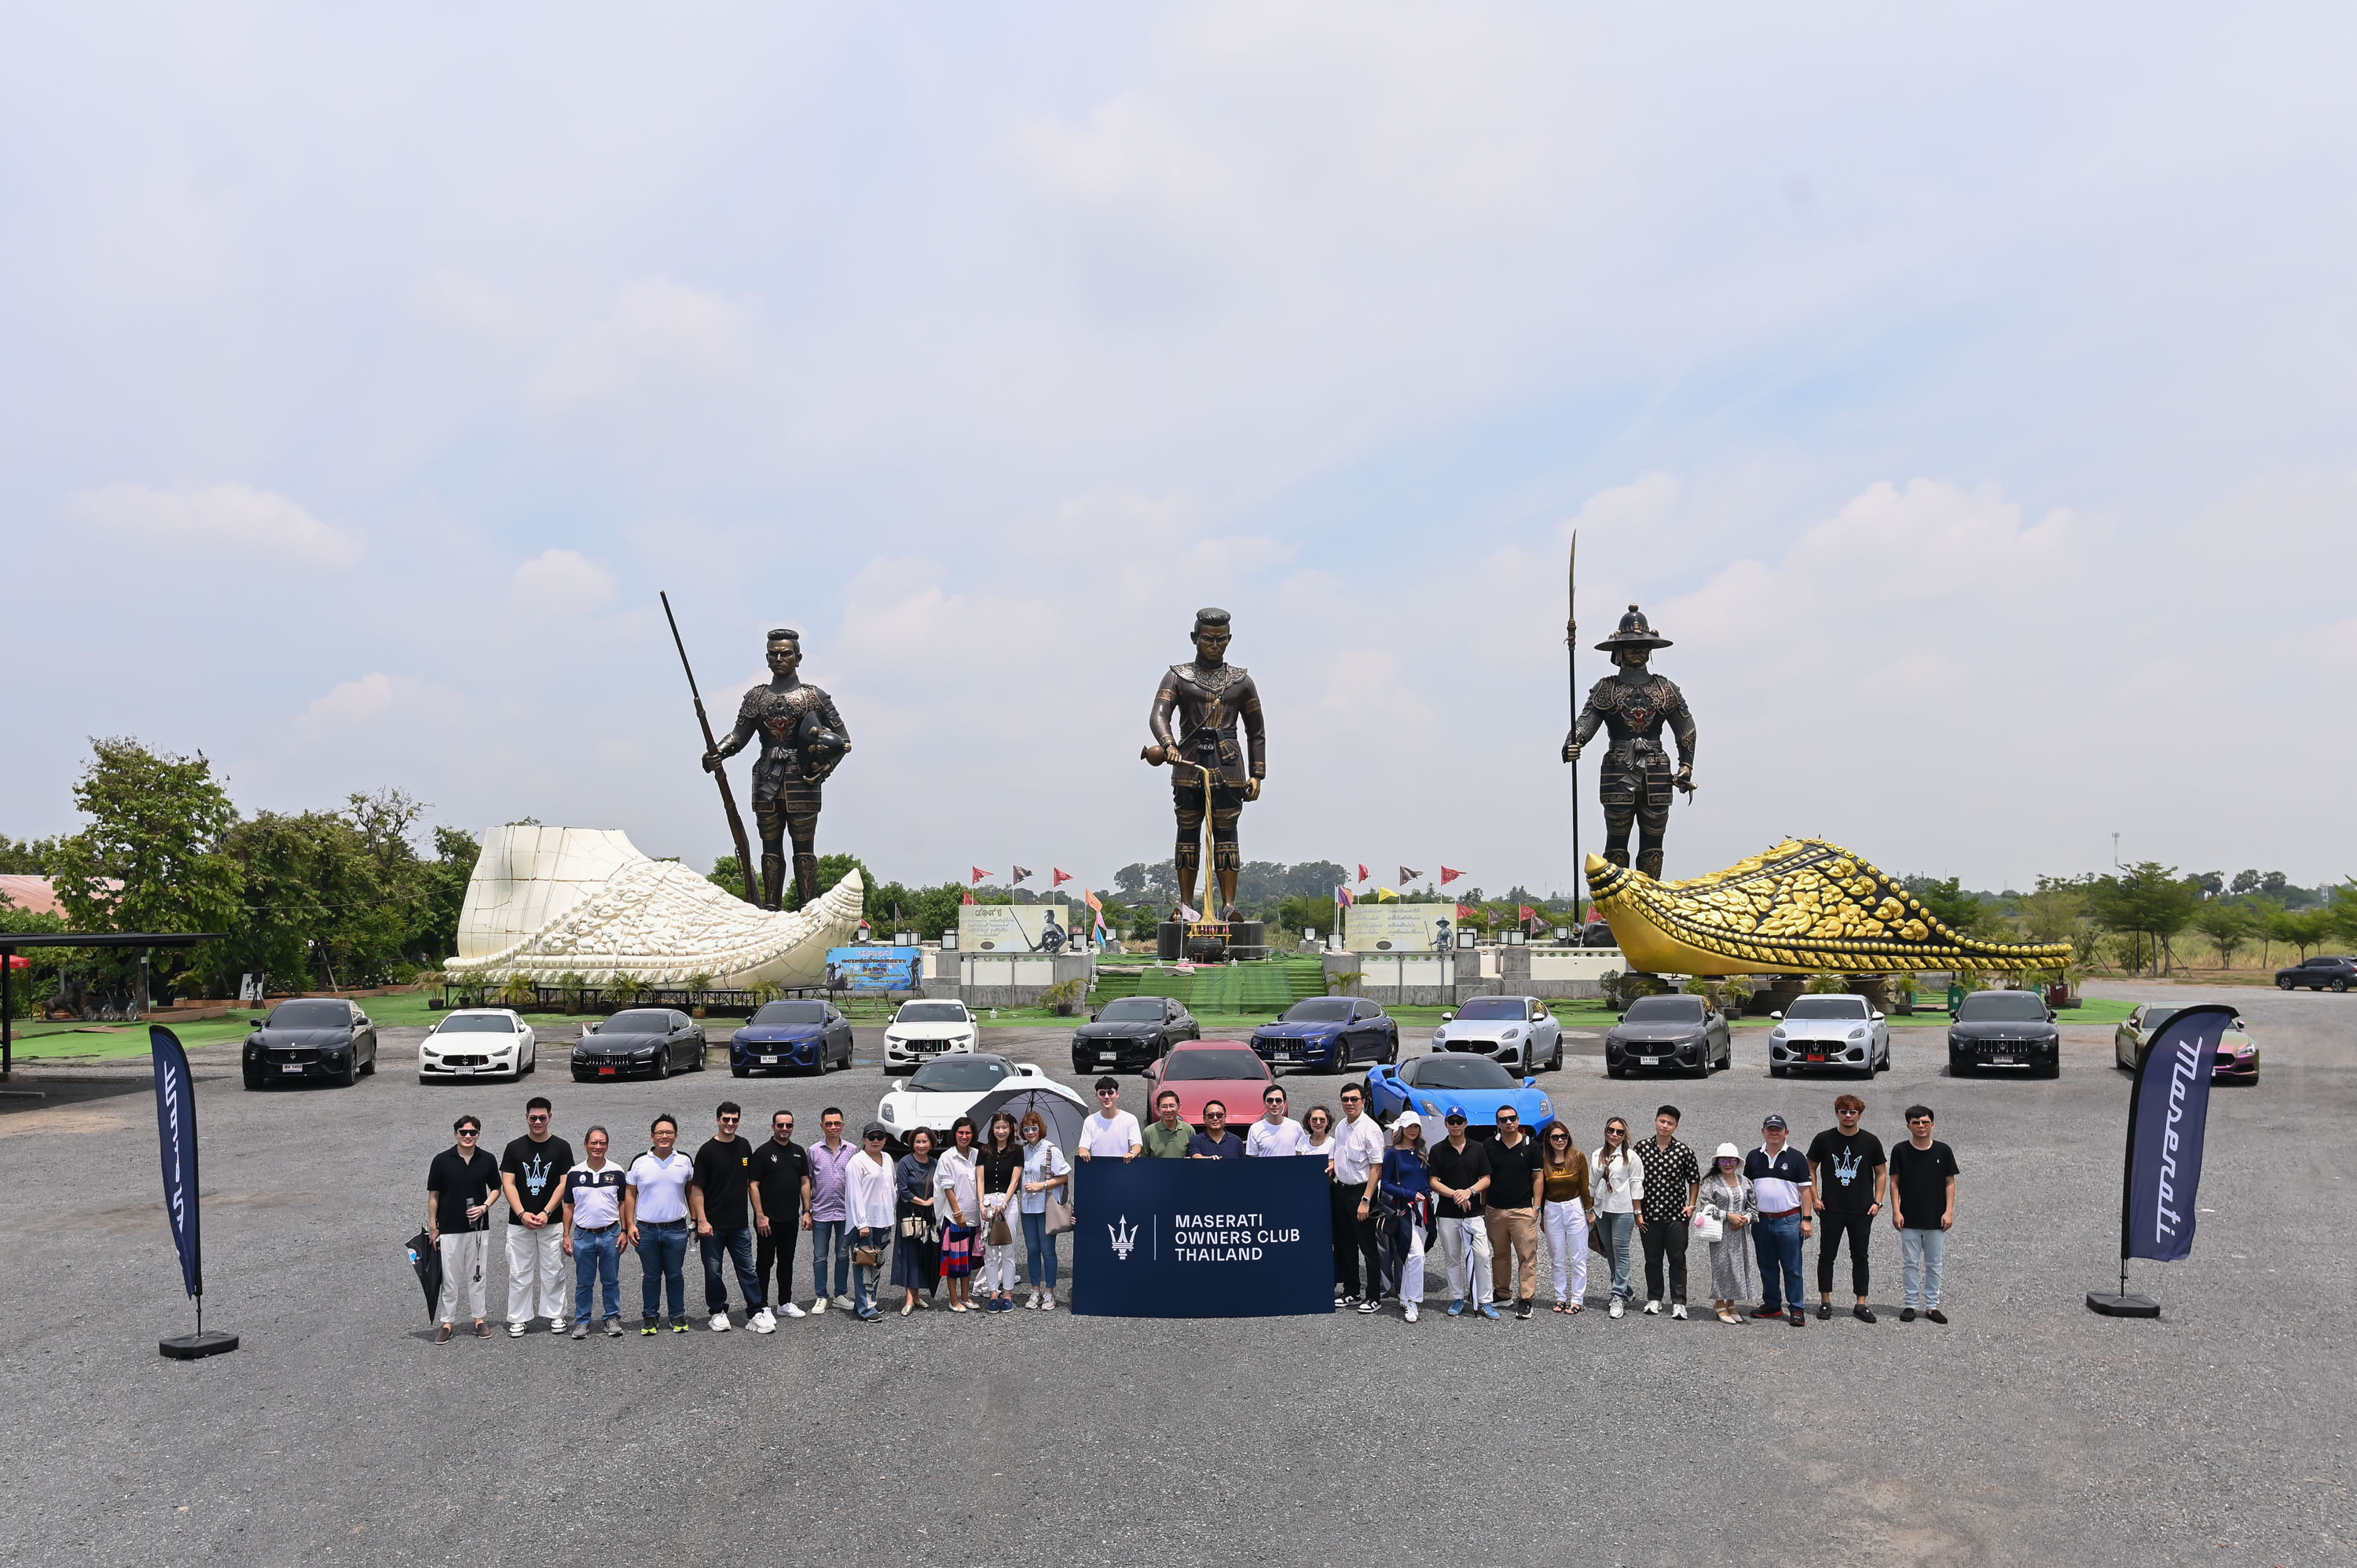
(426, 1259)
(1063, 1118)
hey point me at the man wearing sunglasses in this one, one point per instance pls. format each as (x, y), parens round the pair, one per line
(1112, 1132)
(1358, 1167)
(1276, 1135)
(531, 1178)
(716, 1200)
(1215, 1142)
(461, 1184)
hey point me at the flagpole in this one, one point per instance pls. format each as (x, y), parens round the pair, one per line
(1571, 678)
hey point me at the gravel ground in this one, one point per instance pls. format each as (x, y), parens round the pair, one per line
(2028, 1430)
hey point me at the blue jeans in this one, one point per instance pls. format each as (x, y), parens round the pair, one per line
(597, 1259)
(1618, 1228)
(826, 1235)
(663, 1261)
(1778, 1244)
(737, 1246)
(1920, 1255)
(1038, 1244)
(863, 1281)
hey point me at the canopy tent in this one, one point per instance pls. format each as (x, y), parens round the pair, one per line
(10, 941)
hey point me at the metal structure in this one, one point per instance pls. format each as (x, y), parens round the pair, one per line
(10, 942)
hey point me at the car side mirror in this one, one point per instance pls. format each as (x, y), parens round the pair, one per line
(1448, 1018)
(1530, 1083)
(1875, 1016)
(1092, 1017)
(1776, 1015)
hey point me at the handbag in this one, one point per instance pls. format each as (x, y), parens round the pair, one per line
(1708, 1226)
(916, 1228)
(999, 1235)
(1596, 1242)
(1059, 1218)
(867, 1257)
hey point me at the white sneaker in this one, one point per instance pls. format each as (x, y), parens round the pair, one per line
(1652, 1309)
(1679, 1312)
(762, 1322)
(790, 1310)
(1048, 1302)
(719, 1323)
(1031, 1302)
(515, 1330)
(1617, 1304)
(1410, 1310)
(844, 1304)
(818, 1305)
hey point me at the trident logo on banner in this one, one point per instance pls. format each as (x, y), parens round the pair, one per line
(1125, 1238)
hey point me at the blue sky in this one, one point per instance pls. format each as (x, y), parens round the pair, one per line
(1965, 391)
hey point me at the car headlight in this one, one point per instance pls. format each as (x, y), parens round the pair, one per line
(1513, 1034)
(1858, 1034)
(1429, 1108)
(1777, 1032)
(1546, 1108)
(885, 1110)
(1439, 1036)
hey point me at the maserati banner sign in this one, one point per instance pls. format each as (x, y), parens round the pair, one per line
(2168, 1113)
(1202, 1238)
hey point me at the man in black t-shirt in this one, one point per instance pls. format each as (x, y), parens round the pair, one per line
(1511, 1211)
(1460, 1175)
(461, 1184)
(716, 1202)
(1846, 1164)
(781, 1191)
(532, 1176)
(1922, 1209)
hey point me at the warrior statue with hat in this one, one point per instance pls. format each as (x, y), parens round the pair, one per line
(1210, 698)
(1635, 704)
(803, 738)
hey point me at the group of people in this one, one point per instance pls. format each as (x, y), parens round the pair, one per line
(948, 1211)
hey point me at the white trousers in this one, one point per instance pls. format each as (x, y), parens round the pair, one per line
(1411, 1287)
(1465, 1243)
(1567, 1239)
(998, 1262)
(536, 1281)
(462, 1276)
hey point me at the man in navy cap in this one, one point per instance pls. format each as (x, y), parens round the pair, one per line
(1780, 1175)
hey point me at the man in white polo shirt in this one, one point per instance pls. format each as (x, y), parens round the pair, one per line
(1358, 1167)
(1276, 1133)
(593, 1232)
(1780, 1176)
(1112, 1133)
(654, 1220)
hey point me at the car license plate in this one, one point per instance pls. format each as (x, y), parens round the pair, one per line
(1648, 1061)
(1816, 1055)
(464, 1071)
(605, 1072)
(290, 1066)
(769, 1061)
(2001, 1061)
(1105, 1056)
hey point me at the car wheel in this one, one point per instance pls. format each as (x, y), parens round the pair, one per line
(368, 1068)
(351, 1075)
(2340, 986)
(1554, 1062)
(2282, 985)
(2053, 1068)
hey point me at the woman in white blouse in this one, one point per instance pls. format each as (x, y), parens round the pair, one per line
(1619, 1178)
(868, 1203)
(957, 1204)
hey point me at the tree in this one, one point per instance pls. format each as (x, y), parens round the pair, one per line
(2306, 930)
(2228, 925)
(2265, 914)
(2147, 900)
(26, 857)
(149, 859)
(2056, 911)
(1949, 902)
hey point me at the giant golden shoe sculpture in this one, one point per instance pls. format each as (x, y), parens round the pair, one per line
(1802, 906)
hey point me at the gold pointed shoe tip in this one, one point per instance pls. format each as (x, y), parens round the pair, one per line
(1803, 904)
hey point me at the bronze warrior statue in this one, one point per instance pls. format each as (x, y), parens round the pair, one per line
(803, 738)
(1634, 704)
(1211, 697)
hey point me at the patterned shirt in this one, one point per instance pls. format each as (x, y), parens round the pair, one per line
(1669, 1174)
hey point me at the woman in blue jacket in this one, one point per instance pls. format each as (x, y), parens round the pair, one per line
(1407, 1192)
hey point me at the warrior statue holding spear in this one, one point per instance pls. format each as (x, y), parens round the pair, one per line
(1636, 705)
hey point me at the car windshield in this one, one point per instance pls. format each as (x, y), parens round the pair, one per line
(933, 1012)
(792, 1012)
(1195, 1067)
(957, 1075)
(311, 1014)
(1828, 1007)
(639, 1021)
(1665, 1010)
(1482, 1008)
(477, 1024)
(2002, 1006)
(1458, 1072)
(1133, 1009)
(2154, 1018)
(1319, 1010)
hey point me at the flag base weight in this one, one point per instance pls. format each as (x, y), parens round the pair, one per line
(196, 1347)
(2112, 1304)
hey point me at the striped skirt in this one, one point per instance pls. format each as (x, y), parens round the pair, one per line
(957, 1252)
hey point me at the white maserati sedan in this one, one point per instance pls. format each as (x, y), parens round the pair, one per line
(477, 1042)
(922, 1030)
(949, 1086)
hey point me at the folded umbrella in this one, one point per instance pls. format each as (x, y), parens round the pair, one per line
(426, 1259)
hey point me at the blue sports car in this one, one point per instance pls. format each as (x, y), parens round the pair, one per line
(791, 1036)
(1432, 1086)
(1329, 1034)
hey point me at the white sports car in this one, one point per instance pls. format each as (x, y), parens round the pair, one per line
(1517, 1031)
(1837, 1033)
(949, 1086)
(921, 1031)
(477, 1042)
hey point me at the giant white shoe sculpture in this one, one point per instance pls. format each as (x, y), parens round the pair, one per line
(545, 902)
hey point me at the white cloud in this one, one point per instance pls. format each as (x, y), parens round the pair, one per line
(656, 338)
(561, 582)
(231, 519)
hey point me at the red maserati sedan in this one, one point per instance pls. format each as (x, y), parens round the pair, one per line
(1228, 1071)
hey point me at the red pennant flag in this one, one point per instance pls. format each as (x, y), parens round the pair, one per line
(969, 898)
(1448, 875)
(1467, 912)
(1057, 876)
(980, 876)
(1363, 871)
(1526, 912)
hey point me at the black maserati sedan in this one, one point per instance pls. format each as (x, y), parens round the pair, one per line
(311, 1037)
(1669, 1034)
(1130, 1033)
(645, 1042)
(2012, 1031)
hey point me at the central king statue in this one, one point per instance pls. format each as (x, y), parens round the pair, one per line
(1210, 697)
(803, 738)
(1636, 705)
